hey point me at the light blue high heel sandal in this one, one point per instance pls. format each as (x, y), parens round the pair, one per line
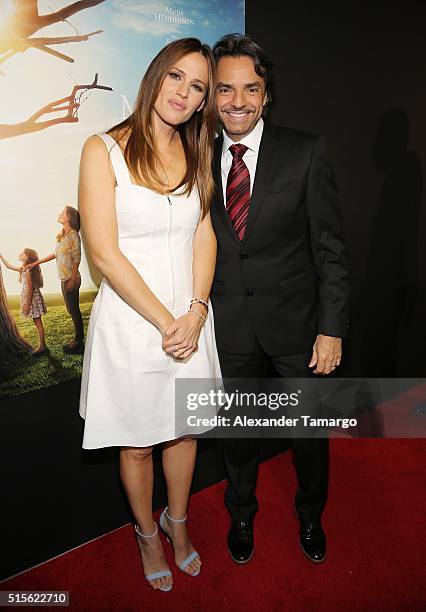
(190, 557)
(162, 573)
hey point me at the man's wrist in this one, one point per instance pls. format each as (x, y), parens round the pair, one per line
(330, 335)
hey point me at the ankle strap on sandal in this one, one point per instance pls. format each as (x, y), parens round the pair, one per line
(152, 535)
(182, 520)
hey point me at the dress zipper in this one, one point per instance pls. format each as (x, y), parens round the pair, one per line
(170, 254)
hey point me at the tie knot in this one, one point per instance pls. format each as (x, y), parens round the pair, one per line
(238, 150)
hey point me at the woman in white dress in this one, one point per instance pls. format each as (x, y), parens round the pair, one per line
(144, 194)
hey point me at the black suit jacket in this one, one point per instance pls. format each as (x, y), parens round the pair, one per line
(287, 280)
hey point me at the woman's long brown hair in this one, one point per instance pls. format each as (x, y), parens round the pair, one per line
(197, 134)
(35, 272)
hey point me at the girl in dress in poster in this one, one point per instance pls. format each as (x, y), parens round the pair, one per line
(32, 304)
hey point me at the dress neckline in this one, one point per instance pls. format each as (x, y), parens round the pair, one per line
(151, 191)
(129, 182)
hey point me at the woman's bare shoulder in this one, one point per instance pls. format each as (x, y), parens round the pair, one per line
(95, 151)
(94, 144)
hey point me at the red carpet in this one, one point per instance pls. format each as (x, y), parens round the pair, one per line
(375, 522)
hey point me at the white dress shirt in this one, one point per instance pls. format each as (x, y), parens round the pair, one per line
(252, 141)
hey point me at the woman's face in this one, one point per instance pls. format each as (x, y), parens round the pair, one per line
(63, 217)
(22, 257)
(183, 90)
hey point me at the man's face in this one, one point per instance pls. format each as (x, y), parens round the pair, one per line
(240, 95)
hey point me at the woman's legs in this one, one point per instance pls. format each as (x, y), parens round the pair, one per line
(136, 472)
(72, 302)
(178, 466)
(39, 325)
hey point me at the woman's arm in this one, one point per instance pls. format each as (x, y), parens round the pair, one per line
(74, 270)
(75, 254)
(32, 265)
(204, 258)
(69, 284)
(76, 258)
(97, 209)
(185, 331)
(44, 260)
(8, 264)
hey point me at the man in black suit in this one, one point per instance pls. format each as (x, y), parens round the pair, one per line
(280, 294)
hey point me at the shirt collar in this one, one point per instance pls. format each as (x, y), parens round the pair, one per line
(252, 140)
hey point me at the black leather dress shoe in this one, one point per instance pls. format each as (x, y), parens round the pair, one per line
(312, 540)
(240, 542)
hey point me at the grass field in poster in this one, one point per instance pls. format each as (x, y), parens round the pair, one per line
(47, 51)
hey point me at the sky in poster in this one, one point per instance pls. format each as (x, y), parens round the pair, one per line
(39, 171)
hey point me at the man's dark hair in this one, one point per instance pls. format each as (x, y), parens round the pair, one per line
(236, 45)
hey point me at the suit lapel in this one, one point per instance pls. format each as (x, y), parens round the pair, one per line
(264, 168)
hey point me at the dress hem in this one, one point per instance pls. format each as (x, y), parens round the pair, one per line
(99, 439)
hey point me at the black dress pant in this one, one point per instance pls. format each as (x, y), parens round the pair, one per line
(241, 455)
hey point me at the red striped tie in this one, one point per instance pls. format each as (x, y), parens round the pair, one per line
(238, 190)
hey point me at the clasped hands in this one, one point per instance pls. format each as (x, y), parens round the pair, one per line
(180, 338)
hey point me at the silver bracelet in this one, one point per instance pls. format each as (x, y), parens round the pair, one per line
(198, 314)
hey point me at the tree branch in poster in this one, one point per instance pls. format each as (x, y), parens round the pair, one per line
(71, 104)
(25, 21)
(78, 92)
(31, 125)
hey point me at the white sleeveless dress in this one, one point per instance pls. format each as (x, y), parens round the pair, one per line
(128, 382)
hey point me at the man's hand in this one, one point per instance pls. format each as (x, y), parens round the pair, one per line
(326, 354)
(181, 337)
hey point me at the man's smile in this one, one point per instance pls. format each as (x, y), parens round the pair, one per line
(237, 115)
